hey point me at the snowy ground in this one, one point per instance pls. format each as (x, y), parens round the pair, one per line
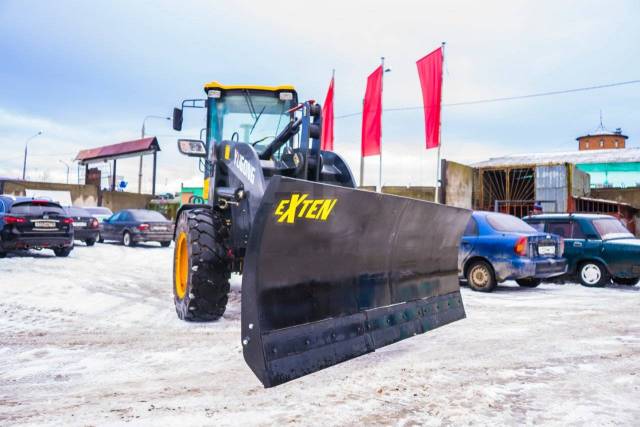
(93, 339)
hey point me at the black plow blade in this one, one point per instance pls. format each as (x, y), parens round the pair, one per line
(333, 273)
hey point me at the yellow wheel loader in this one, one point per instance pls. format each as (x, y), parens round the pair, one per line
(329, 272)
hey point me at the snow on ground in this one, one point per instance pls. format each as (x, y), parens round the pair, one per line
(93, 340)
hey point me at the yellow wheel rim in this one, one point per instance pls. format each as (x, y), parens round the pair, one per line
(181, 263)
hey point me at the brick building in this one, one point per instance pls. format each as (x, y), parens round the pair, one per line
(602, 139)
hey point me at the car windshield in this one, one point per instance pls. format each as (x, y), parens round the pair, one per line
(248, 117)
(611, 228)
(508, 224)
(148, 216)
(73, 211)
(37, 209)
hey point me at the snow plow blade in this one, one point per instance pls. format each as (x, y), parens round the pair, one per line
(332, 273)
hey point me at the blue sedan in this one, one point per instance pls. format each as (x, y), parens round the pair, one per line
(496, 247)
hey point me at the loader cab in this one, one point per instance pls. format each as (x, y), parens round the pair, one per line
(253, 115)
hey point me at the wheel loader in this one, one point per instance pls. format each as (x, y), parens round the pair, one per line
(329, 272)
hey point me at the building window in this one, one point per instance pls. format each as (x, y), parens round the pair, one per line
(601, 143)
(616, 143)
(586, 144)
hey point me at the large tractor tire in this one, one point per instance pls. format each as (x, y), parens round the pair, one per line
(200, 267)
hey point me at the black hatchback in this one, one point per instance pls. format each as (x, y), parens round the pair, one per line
(132, 226)
(27, 223)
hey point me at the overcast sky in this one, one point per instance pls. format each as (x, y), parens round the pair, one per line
(87, 73)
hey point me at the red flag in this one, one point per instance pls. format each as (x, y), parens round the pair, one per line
(430, 72)
(372, 114)
(326, 143)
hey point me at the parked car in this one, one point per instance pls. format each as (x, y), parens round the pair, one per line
(85, 226)
(99, 212)
(102, 214)
(132, 226)
(598, 248)
(26, 223)
(496, 247)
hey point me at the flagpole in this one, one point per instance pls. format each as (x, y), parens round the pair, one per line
(362, 154)
(437, 195)
(381, 91)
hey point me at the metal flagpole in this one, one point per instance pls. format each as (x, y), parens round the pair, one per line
(437, 195)
(362, 154)
(381, 88)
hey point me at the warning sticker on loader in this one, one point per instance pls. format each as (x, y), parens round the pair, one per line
(301, 206)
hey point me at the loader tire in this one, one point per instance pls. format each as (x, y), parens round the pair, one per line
(200, 266)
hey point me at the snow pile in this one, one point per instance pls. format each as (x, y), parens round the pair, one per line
(93, 339)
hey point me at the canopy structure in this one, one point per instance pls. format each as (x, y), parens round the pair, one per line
(135, 148)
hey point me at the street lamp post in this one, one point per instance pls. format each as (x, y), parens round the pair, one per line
(68, 168)
(142, 136)
(24, 164)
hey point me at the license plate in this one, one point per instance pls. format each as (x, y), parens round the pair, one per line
(547, 250)
(45, 224)
(79, 224)
(159, 228)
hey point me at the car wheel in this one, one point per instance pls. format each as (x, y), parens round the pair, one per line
(3, 254)
(90, 242)
(480, 276)
(593, 274)
(127, 240)
(165, 244)
(528, 282)
(626, 281)
(63, 252)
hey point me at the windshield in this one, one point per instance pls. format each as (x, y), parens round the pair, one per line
(37, 209)
(248, 117)
(611, 228)
(148, 216)
(508, 224)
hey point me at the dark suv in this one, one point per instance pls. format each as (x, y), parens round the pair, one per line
(598, 248)
(26, 223)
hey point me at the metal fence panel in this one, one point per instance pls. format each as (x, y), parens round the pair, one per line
(552, 184)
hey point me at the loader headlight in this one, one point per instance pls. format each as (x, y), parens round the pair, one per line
(286, 96)
(214, 93)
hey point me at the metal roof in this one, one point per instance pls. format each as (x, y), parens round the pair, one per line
(120, 150)
(616, 155)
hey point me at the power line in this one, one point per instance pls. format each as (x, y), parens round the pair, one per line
(506, 98)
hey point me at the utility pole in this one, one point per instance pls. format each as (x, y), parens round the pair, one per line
(24, 163)
(141, 156)
(68, 168)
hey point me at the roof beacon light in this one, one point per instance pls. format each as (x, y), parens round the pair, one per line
(286, 96)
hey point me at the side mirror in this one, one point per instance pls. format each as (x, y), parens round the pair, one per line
(192, 147)
(177, 119)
